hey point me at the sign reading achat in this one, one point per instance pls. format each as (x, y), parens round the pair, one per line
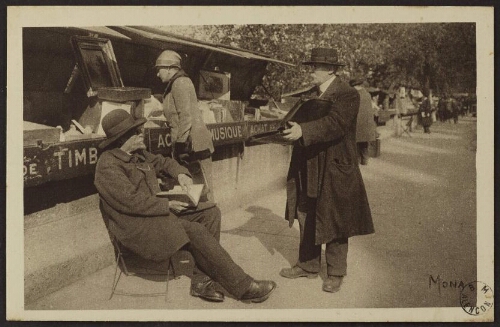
(263, 126)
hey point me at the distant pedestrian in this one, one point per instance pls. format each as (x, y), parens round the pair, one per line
(455, 109)
(425, 111)
(325, 189)
(365, 125)
(376, 107)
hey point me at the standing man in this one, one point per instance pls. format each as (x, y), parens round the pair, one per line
(154, 227)
(192, 139)
(325, 190)
(365, 126)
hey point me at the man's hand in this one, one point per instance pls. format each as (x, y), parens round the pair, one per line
(185, 181)
(293, 133)
(177, 206)
(134, 143)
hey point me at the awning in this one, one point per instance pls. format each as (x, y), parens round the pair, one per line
(101, 31)
(161, 39)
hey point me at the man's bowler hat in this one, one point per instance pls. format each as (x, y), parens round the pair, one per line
(327, 56)
(116, 124)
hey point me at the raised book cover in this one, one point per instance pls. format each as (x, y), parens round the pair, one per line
(301, 112)
(191, 196)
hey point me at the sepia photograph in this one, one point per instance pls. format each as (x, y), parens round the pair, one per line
(250, 164)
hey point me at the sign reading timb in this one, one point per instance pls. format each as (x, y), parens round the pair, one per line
(76, 158)
(59, 161)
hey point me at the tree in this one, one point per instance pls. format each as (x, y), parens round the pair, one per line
(439, 56)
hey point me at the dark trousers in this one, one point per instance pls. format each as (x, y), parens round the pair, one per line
(310, 252)
(363, 152)
(203, 230)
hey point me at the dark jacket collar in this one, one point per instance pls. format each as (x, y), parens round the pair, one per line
(333, 87)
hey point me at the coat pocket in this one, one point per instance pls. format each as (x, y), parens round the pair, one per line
(343, 168)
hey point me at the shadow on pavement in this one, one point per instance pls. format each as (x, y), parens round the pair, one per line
(271, 230)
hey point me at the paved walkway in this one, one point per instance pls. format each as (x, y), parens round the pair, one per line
(422, 194)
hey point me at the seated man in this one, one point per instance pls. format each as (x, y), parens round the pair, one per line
(126, 179)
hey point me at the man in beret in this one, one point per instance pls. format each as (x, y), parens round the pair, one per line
(154, 227)
(325, 190)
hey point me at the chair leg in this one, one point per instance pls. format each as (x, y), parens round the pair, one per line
(170, 266)
(115, 279)
(168, 279)
(118, 273)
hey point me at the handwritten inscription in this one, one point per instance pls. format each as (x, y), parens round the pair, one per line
(440, 283)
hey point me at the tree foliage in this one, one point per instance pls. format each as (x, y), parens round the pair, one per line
(439, 56)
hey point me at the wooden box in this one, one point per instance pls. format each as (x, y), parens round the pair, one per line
(123, 94)
(34, 133)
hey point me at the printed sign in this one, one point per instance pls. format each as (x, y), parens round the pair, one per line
(59, 161)
(227, 133)
(72, 159)
(262, 126)
(158, 140)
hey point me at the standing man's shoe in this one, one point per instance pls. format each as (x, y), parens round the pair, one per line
(296, 272)
(332, 284)
(258, 291)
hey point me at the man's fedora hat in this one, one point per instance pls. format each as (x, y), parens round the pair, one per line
(116, 124)
(326, 56)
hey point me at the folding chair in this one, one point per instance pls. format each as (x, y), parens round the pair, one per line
(131, 264)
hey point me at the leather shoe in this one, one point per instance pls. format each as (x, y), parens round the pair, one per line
(296, 272)
(206, 291)
(258, 291)
(332, 284)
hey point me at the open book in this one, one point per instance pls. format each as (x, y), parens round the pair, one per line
(191, 197)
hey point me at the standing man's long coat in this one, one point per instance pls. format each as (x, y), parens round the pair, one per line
(325, 163)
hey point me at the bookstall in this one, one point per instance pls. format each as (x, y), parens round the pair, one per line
(74, 76)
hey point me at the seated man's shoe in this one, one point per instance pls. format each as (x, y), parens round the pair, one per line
(332, 284)
(258, 291)
(296, 272)
(206, 291)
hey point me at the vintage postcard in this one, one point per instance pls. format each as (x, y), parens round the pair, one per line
(375, 203)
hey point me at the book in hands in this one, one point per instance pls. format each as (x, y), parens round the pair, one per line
(191, 196)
